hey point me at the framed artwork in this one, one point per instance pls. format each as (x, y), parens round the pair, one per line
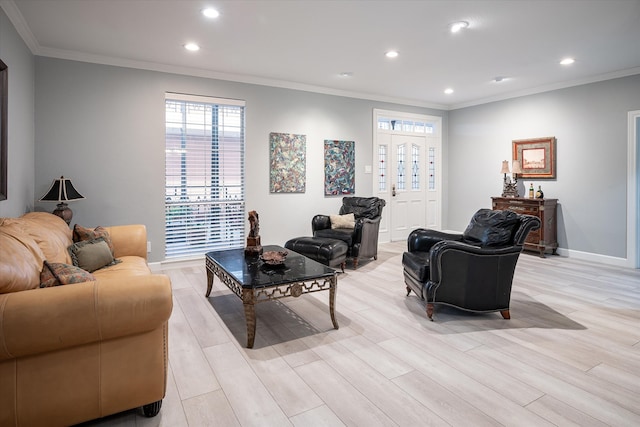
(339, 167)
(537, 157)
(287, 158)
(4, 86)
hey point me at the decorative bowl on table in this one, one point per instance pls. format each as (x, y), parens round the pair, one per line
(274, 258)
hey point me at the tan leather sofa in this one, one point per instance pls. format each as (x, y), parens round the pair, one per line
(80, 351)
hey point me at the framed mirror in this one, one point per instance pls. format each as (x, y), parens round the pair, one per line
(4, 85)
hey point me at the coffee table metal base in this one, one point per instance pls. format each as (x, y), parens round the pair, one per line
(252, 296)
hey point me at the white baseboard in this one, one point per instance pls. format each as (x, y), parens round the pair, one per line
(599, 258)
(157, 267)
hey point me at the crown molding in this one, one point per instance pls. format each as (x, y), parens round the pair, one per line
(549, 88)
(16, 18)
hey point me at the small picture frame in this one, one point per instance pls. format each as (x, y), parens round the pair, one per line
(537, 157)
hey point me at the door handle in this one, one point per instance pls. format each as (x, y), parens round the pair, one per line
(393, 190)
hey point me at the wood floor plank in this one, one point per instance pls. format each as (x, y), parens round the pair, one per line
(344, 399)
(251, 401)
(210, 409)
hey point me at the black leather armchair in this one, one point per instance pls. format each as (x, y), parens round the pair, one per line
(472, 271)
(362, 239)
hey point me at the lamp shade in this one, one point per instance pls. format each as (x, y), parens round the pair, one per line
(516, 166)
(62, 190)
(505, 167)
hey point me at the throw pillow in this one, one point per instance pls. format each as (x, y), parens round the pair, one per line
(91, 255)
(342, 221)
(81, 234)
(56, 274)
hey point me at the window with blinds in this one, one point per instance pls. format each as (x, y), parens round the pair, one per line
(204, 174)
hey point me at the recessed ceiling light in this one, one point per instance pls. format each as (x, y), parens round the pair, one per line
(448, 91)
(457, 26)
(499, 79)
(346, 74)
(210, 12)
(391, 54)
(567, 61)
(192, 47)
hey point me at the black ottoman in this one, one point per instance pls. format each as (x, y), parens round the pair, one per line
(331, 252)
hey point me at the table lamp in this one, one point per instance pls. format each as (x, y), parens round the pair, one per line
(510, 189)
(62, 191)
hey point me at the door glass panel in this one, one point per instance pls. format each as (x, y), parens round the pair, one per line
(382, 160)
(432, 168)
(415, 167)
(400, 166)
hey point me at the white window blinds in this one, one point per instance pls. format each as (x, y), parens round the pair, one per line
(204, 174)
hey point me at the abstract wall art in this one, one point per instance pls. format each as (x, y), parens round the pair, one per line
(339, 167)
(287, 157)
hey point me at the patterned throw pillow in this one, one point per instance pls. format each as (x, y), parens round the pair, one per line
(91, 255)
(56, 274)
(82, 234)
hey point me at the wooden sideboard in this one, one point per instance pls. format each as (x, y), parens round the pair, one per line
(545, 237)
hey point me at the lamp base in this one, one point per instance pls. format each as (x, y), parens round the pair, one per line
(64, 211)
(510, 189)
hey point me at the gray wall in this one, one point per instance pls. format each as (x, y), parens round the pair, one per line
(590, 124)
(103, 127)
(20, 162)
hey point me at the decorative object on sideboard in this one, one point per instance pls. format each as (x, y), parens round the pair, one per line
(253, 241)
(539, 193)
(510, 188)
(61, 192)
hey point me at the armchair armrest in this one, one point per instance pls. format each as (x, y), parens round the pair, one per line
(43, 320)
(320, 222)
(527, 223)
(423, 239)
(445, 247)
(129, 240)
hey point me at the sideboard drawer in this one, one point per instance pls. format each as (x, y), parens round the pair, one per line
(545, 237)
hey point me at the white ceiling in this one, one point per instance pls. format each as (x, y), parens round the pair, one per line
(306, 44)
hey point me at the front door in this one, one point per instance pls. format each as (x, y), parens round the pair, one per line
(408, 185)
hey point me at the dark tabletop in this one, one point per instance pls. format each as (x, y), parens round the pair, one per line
(251, 272)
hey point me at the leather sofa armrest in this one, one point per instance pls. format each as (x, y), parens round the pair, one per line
(320, 222)
(423, 239)
(49, 319)
(129, 240)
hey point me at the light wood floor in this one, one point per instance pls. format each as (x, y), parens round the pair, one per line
(569, 356)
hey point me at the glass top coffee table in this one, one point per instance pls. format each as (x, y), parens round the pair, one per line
(253, 281)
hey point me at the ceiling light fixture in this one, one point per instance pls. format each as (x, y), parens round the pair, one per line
(192, 47)
(567, 61)
(346, 74)
(210, 12)
(457, 26)
(448, 91)
(499, 79)
(391, 54)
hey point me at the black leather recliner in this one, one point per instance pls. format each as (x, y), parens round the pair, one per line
(362, 239)
(472, 271)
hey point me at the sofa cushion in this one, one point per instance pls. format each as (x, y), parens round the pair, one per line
(82, 234)
(50, 233)
(56, 274)
(491, 228)
(20, 260)
(343, 221)
(91, 255)
(127, 266)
